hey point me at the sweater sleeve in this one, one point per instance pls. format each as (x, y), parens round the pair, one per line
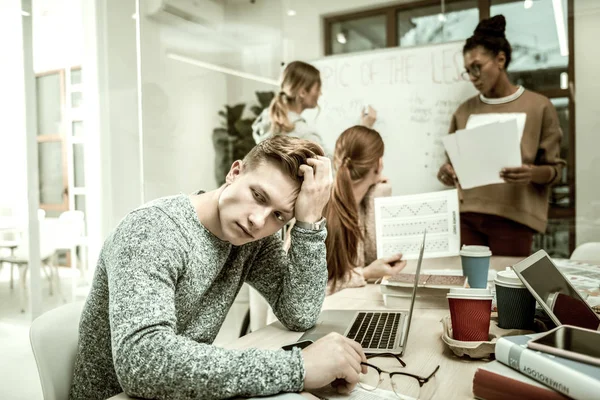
(150, 359)
(549, 149)
(294, 282)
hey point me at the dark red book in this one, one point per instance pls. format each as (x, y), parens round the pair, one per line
(496, 381)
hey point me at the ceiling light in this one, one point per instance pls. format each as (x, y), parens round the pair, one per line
(528, 4)
(564, 80)
(291, 12)
(341, 38)
(442, 14)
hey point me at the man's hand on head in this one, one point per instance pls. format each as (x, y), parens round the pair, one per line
(315, 190)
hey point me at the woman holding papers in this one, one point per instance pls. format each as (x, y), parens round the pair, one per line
(300, 90)
(505, 216)
(351, 248)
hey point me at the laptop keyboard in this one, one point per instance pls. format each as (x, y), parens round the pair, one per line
(375, 330)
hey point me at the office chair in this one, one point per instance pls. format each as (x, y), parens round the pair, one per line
(54, 336)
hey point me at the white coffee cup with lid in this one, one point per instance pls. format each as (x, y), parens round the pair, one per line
(475, 261)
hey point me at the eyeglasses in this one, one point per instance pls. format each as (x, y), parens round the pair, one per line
(403, 383)
(474, 71)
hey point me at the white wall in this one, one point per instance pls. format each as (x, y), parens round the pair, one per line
(57, 34)
(587, 119)
(180, 102)
(12, 101)
(111, 125)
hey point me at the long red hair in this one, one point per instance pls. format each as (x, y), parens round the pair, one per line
(357, 151)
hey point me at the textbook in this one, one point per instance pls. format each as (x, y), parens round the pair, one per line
(496, 381)
(575, 379)
(431, 283)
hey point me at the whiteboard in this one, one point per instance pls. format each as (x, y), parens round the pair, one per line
(415, 92)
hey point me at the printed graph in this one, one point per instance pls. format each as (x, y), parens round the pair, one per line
(401, 220)
(414, 227)
(434, 245)
(415, 209)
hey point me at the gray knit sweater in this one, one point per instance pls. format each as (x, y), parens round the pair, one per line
(161, 291)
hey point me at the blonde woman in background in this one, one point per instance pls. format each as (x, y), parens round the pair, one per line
(351, 246)
(300, 90)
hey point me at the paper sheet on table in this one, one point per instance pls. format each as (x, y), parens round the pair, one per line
(480, 153)
(360, 394)
(476, 120)
(401, 220)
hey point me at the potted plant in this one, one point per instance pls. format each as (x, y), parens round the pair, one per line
(233, 139)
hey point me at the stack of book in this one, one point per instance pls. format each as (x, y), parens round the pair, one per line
(433, 287)
(522, 373)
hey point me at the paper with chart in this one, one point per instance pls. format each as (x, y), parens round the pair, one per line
(479, 154)
(401, 220)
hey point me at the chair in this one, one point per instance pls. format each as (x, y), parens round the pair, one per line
(19, 256)
(54, 337)
(587, 252)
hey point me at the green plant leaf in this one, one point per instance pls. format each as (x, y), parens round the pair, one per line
(257, 110)
(235, 112)
(243, 128)
(265, 98)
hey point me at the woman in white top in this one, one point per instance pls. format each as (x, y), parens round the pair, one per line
(300, 90)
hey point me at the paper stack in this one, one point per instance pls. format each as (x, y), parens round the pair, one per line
(478, 154)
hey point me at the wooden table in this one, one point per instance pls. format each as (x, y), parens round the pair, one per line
(425, 349)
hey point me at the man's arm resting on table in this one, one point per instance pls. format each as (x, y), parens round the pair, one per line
(294, 283)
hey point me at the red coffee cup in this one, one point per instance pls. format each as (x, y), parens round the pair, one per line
(470, 311)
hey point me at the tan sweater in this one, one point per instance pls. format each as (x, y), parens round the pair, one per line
(540, 145)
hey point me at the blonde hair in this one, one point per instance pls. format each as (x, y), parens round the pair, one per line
(357, 151)
(297, 75)
(286, 152)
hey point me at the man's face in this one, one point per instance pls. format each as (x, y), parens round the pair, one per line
(255, 203)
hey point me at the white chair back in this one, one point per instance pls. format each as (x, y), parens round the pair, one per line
(54, 337)
(587, 252)
(70, 229)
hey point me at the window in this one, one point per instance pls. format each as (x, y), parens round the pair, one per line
(426, 25)
(60, 149)
(539, 37)
(358, 35)
(51, 144)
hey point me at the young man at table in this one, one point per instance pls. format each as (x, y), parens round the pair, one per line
(170, 271)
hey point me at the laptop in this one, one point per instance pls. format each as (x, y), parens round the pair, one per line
(380, 331)
(554, 292)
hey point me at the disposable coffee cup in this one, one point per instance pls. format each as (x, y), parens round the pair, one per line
(476, 264)
(516, 306)
(470, 311)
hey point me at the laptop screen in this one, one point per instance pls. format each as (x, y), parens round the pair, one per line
(414, 295)
(558, 296)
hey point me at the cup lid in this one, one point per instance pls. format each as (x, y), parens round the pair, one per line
(508, 277)
(475, 251)
(468, 293)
